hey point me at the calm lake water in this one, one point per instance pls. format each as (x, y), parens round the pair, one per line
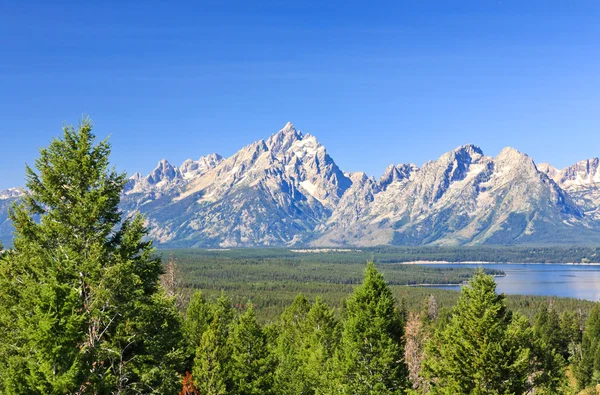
(573, 281)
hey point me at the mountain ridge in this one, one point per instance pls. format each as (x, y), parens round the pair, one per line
(286, 190)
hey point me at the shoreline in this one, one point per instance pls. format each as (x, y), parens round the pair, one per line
(423, 262)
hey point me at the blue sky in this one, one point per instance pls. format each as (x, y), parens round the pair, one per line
(376, 82)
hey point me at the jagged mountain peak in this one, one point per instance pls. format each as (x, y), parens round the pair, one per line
(284, 138)
(471, 149)
(583, 173)
(11, 193)
(287, 190)
(467, 153)
(395, 173)
(548, 170)
(191, 169)
(164, 171)
(511, 158)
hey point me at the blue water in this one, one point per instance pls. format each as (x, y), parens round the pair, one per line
(573, 281)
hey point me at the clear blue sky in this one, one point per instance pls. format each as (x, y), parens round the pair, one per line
(377, 82)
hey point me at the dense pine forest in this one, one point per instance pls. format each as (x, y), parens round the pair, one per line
(87, 306)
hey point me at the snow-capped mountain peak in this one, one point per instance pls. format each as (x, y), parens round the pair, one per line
(287, 190)
(11, 193)
(282, 140)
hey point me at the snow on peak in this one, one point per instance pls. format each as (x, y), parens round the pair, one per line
(472, 150)
(194, 168)
(11, 193)
(308, 146)
(283, 139)
(583, 173)
(397, 173)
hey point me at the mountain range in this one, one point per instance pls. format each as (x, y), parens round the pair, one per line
(286, 190)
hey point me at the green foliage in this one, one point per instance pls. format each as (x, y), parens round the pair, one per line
(213, 355)
(251, 364)
(291, 336)
(321, 344)
(83, 311)
(558, 333)
(371, 350)
(587, 356)
(197, 319)
(485, 349)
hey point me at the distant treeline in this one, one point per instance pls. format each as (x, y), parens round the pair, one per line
(272, 278)
(392, 254)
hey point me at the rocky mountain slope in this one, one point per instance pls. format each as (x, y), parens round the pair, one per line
(273, 192)
(286, 190)
(7, 197)
(582, 183)
(464, 197)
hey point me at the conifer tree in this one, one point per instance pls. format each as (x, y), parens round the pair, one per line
(251, 365)
(210, 371)
(485, 349)
(371, 350)
(198, 317)
(320, 344)
(87, 314)
(291, 332)
(587, 360)
(548, 328)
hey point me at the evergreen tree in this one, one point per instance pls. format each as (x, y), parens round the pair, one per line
(198, 317)
(291, 333)
(587, 360)
(81, 285)
(320, 344)
(484, 349)
(548, 328)
(371, 350)
(210, 371)
(251, 365)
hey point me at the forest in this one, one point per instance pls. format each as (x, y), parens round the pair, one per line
(399, 254)
(88, 307)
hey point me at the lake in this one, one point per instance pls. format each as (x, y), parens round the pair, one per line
(573, 281)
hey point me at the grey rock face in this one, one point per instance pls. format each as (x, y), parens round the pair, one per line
(287, 190)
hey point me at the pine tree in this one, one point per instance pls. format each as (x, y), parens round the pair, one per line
(587, 361)
(87, 314)
(320, 344)
(371, 350)
(251, 365)
(212, 357)
(198, 317)
(547, 327)
(485, 349)
(291, 333)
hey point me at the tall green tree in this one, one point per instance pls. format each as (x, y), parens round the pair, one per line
(291, 334)
(485, 349)
(554, 332)
(320, 343)
(198, 317)
(211, 363)
(372, 347)
(587, 357)
(251, 364)
(81, 285)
